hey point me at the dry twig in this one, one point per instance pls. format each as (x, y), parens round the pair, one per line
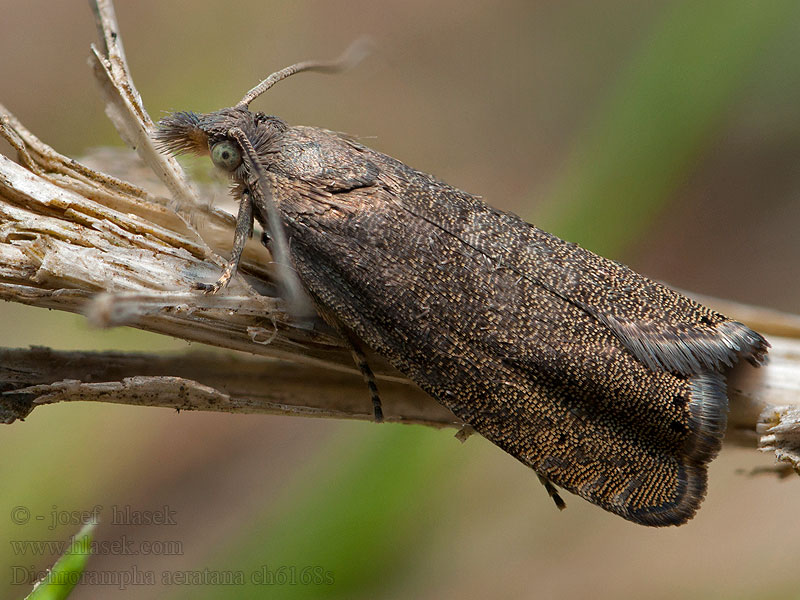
(75, 239)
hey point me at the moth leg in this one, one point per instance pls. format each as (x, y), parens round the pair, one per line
(552, 492)
(369, 379)
(261, 195)
(465, 431)
(358, 356)
(244, 229)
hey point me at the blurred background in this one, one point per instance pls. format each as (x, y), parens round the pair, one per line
(663, 134)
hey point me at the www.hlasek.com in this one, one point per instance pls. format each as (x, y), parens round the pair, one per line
(122, 546)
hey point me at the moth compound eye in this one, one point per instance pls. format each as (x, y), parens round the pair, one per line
(226, 155)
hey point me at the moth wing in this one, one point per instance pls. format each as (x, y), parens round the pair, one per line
(500, 322)
(532, 373)
(659, 326)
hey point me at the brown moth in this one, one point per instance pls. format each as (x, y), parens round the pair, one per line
(604, 382)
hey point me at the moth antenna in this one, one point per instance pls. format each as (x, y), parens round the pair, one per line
(354, 54)
(299, 303)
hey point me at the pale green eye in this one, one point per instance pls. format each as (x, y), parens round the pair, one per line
(226, 155)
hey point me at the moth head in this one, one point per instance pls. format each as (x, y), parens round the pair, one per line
(188, 132)
(213, 133)
(234, 138)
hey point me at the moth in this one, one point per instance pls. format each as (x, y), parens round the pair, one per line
(604, 382)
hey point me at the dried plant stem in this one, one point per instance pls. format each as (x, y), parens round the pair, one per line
(75, 239)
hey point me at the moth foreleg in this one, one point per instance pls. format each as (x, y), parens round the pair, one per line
(243, 231)
(552, 492)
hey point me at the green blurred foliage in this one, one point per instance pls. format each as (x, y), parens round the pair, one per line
(656, 132)
(661, 113)
(65, 574)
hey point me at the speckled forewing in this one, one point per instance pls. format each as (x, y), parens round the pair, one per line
(662, 328)
(534, 374)
(466, 302)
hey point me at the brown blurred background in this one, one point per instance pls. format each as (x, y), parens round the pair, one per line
(664, 134)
